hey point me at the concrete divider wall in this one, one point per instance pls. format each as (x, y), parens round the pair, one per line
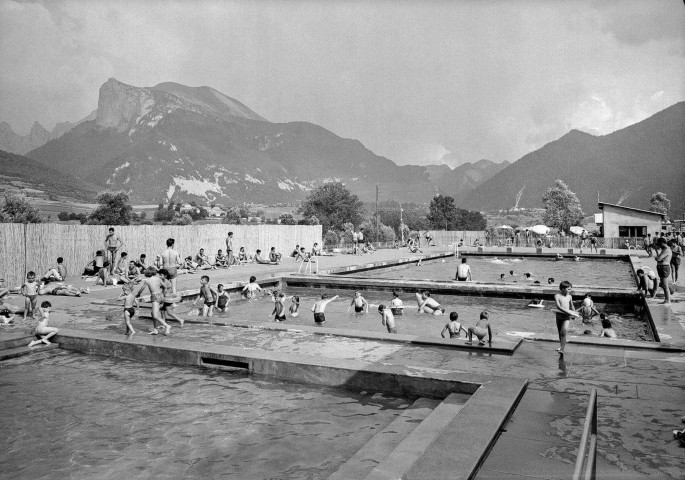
(36, 246)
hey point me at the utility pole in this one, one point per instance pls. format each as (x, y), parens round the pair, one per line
(376, 213)
(402, 223)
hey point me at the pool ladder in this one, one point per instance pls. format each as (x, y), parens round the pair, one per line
(589, 435)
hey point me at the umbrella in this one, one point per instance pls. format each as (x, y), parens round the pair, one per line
(578, 230)
(504, 227)
(539, 229)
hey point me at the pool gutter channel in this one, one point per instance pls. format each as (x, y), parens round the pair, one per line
(460, 440)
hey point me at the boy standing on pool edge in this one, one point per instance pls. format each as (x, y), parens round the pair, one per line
(565, 310)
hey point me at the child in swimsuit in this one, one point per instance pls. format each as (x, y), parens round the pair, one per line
(209, 295)
(43, 332)
(587, 310)
(387, 318)
(170, 298)
(396, 305)
(279, 308)
(130, 302)
(223, 298)
(30, 292)
(250, 290)
(607, 331)
(453, 327)
(359, 302)
(320, 306)
(295, 306)
(565, 311)
(481, 328)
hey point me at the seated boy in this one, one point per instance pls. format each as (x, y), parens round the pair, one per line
(57, 274)
(220, 260)
(274, 256)
(453, 327)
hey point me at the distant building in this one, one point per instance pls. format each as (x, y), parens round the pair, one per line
(187, 208)
(620, 221)
(216, 212)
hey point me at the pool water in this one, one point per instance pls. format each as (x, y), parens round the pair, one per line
(508, 316)
(597, 272)
(67, 415)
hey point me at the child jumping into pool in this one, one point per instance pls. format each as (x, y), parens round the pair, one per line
(453, 327)
(387, 318)
(564, 312)
(359, 302)
(43, 332)
(319, 307)
(481, 328)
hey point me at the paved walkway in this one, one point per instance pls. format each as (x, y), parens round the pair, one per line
(641, 391)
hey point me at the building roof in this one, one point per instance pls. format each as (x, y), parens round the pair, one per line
(602, 204)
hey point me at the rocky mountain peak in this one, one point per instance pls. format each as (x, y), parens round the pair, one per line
(119, 104)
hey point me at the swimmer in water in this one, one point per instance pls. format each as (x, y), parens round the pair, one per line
(550, 281)
(428, 304)
(295, 307)
(587, 310)
(360, 304)
(536, 303)
(453, 327)
(559, 257)
(607, 331)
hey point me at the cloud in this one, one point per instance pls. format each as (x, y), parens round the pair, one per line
(417, 82)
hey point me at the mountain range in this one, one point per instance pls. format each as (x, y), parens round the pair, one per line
(173, 142)
(624, 167)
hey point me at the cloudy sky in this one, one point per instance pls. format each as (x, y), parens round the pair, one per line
(416, 81)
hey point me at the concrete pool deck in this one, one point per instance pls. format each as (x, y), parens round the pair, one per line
(641, 390)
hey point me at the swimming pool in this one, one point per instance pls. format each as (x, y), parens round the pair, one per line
(81, 416)
(600, 272)
(510, 317)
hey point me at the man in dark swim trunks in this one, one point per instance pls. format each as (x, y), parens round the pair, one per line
(663, 268)
(113, 244)
(319, 307)
(171, 262)
(463, 271)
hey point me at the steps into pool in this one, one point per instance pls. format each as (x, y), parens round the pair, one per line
(8, 353)
(381, 445)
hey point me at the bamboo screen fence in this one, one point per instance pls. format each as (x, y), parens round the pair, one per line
(35, 247)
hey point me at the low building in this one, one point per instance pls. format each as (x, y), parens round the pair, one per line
(620, 221)
(216, 212)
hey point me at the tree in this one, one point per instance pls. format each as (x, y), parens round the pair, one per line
(114, 209)
(442, 213)
(562, 208)
(63, 216)
(470, 220)
(18, 210)
(660, 203)
(232, 217)
(287, 219)
(164, 215)
(333, 205)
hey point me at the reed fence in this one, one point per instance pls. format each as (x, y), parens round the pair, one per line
(35, 247)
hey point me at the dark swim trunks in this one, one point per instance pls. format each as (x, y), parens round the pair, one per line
(173, 272)
(664, 271)
(319, 317)
(222, 301)
(280, 318)
(462, 279)
(454, 335)
(359, 309)
(131, 311)
(396, 311)
(209, 303)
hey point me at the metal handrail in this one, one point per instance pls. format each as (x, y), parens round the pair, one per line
(589, 434)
